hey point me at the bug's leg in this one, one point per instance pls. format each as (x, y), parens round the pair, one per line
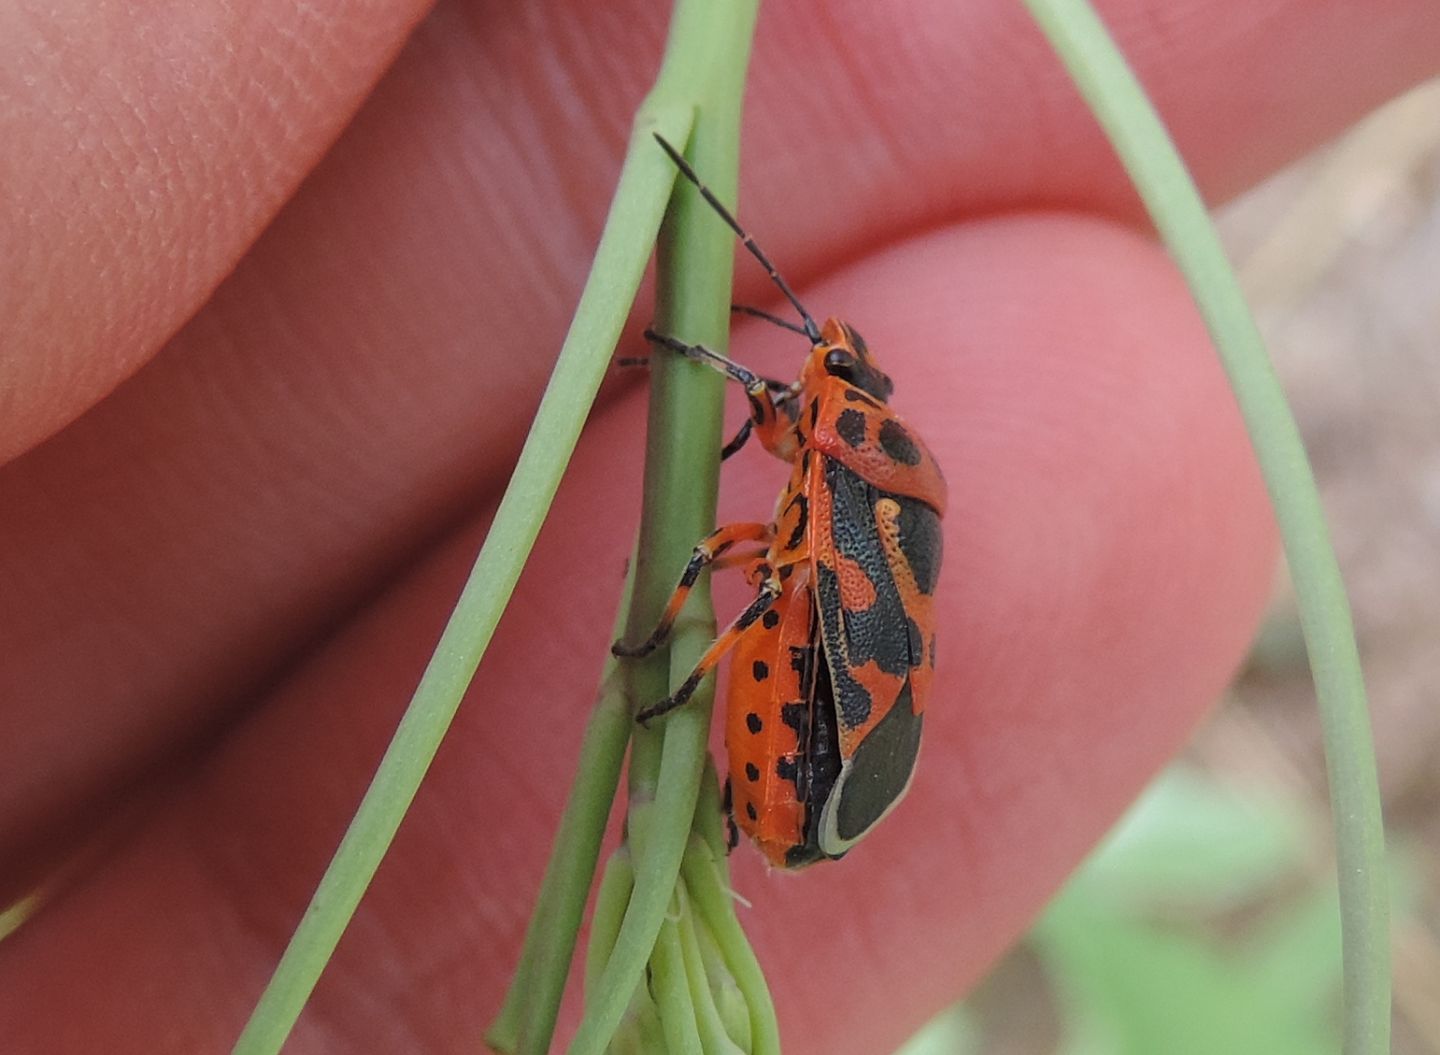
(712, 548)
(770, 590)
(766, 418)
(739, 440)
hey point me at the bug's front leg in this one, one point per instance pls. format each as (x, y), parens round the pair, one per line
(772, 582)
(712, 550)
(771, 401)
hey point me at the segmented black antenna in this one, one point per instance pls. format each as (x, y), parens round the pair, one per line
(811, 330)
(784, 324)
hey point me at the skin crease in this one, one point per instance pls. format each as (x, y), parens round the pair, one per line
(222, 581)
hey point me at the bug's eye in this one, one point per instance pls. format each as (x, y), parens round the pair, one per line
(839, 361)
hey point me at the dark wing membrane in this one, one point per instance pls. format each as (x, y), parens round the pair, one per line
(877, 777)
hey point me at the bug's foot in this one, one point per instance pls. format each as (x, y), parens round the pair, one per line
(665, 706)
(678, 698)
(621, 650)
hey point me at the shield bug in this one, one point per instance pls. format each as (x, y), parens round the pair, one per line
(833, 659)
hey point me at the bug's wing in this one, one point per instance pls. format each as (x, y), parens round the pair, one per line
(876, 558)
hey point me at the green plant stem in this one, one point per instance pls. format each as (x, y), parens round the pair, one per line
(709, 1024)
(630, 230)
(672, 994)
(1118, 101)
(527, 1020)
(714, 905)
(681, 474)
(610, 901)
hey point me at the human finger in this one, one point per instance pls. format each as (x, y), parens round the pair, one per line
(1108, 550)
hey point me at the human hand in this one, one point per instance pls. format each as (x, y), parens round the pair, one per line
(223, 581)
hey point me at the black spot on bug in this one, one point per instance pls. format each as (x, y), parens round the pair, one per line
(732, 833)
(897, 442)
(802, 520)
(854, 395)
(760, 669)
(805, 854)
(921, 542)
(917, 644)
(750, 811)
(786, 769)
(797, 717)
(752, 772)
(851, 427)
(814, 413)
(770, 619)
(753, 722)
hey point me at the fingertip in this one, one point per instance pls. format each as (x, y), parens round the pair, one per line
(1108, 551)
(146, 151)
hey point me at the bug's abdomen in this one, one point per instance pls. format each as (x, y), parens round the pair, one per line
(876, 558)
(767, 724)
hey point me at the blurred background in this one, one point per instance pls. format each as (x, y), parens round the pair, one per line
(1207, 921)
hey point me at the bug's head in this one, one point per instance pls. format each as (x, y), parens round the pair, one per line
(842, 353)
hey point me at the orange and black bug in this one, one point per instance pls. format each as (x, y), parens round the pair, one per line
(833, 660)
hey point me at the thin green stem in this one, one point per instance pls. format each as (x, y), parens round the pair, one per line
(610, 902)
(714, 904)
(630, 231)
(672, 994)
(1135, 130)
(729, 1000)
(713, 1035)
(527, 1020)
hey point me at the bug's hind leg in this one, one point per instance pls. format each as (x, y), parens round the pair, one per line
(771, 588)
(711, 551)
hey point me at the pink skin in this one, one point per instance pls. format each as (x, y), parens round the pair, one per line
(222, 582)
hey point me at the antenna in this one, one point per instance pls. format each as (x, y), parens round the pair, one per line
(811, 330)
(745, 309)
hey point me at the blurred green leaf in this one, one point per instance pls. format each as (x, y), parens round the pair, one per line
(1189, 843)
(952, 1032)
(1131, 986)
(1144, 990)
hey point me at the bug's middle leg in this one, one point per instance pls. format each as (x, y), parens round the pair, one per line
(712, 550)
(773, 582)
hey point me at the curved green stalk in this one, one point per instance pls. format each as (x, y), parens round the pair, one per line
(629, 234)
(714, 905)
(672, 994)
(527, 1019)
(1118, 101)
